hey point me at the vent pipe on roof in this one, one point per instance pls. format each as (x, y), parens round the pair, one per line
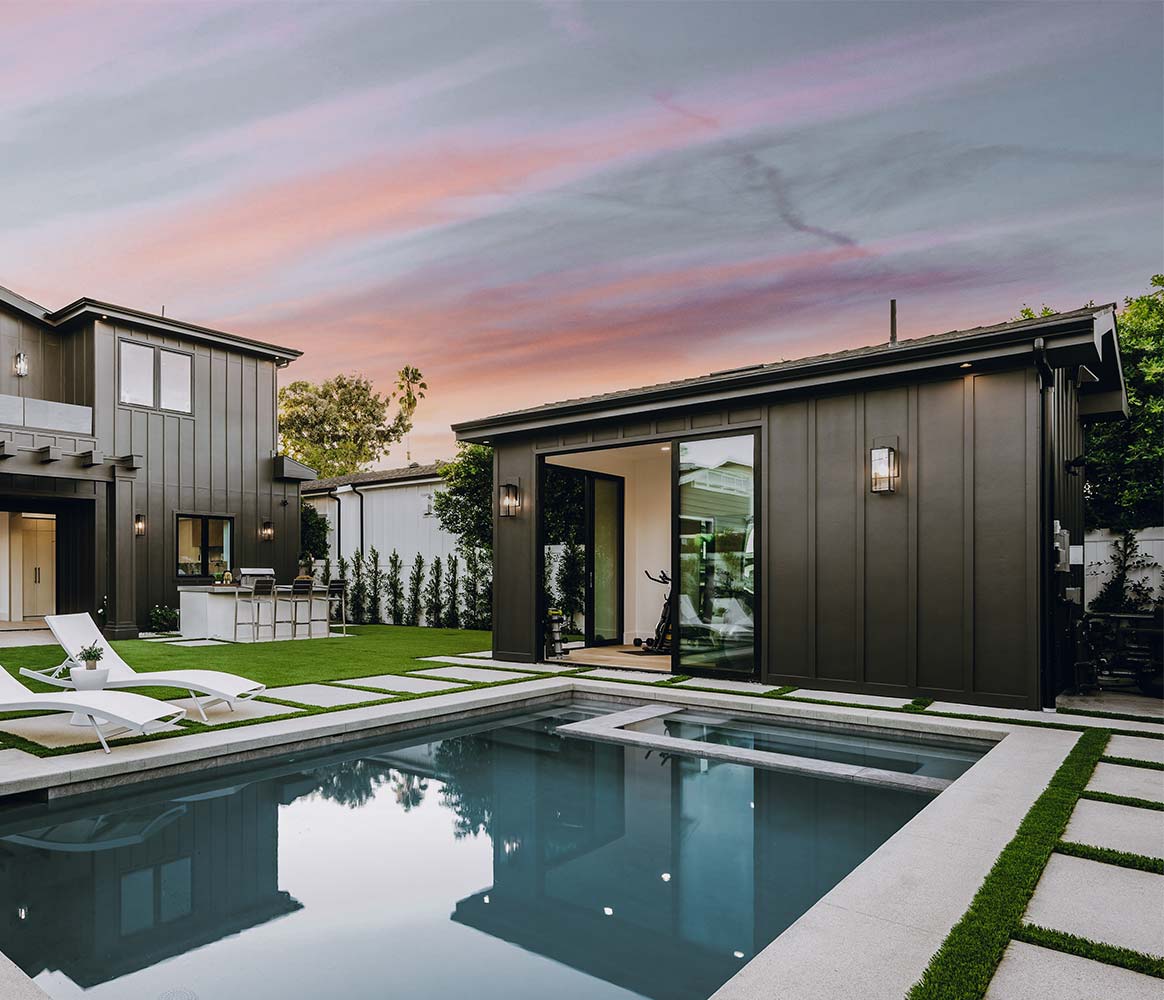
(893, 321)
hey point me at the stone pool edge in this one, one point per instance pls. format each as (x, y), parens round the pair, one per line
(870, 936)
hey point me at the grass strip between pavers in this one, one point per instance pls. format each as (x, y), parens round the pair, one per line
(1123, 800)
(1122, 716)
(1150, 765)
(1125, 958)
(1110, 856)
(963, 966)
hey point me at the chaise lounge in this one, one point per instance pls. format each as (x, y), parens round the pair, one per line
(134, 713)
(74, 632)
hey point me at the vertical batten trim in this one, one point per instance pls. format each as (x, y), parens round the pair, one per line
(810, 536)
(857, 484)
(912, 459)
(968, 533)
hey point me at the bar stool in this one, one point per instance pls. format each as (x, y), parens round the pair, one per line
(261, 592)
(337, 599)
(302, 592)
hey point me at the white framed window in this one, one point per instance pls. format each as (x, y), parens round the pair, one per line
(174, 385)
(137, 374)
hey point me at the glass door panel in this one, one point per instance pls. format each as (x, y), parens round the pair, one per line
(716, 585)
(604, 619)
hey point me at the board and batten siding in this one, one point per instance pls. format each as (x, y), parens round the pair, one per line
(930, 589)
(216, 460)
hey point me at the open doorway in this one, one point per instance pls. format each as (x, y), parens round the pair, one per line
(606, 523)
(28, 569)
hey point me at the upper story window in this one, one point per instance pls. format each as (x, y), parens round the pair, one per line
(156, 377)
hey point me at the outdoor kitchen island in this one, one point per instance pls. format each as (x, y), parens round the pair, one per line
(210, 612)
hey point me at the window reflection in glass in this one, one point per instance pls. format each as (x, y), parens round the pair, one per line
(218, 545)
(189, 546)
(137, 374)
(717, 573)
(174, 380)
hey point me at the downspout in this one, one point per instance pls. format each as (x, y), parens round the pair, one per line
(351, 486)
(1047, 679)
(339, 522)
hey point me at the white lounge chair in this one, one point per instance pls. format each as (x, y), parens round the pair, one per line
(134, 713)
(74, 632)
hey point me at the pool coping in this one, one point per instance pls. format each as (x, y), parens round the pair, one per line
(871, 935)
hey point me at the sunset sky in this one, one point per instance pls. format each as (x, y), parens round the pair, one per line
(537, 201)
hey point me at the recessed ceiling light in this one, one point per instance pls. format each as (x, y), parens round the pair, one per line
(964, 364)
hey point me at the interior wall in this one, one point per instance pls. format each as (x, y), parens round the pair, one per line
(15, 566)
(646, 471)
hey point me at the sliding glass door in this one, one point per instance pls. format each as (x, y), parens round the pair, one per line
(716, 585)
(604, 559)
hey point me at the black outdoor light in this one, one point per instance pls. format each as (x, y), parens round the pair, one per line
(267, 531)
(139, 524)
(883, 470)
(509, 499)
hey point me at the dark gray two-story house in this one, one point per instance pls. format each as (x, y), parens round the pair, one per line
(137, 453)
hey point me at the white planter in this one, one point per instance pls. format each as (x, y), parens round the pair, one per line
(85, 679)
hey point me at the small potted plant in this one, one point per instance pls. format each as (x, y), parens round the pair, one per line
(88, 676)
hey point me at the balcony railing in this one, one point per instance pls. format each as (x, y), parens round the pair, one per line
(46, 415)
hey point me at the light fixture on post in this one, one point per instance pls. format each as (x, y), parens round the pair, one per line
(20, 364)
(267, 532)
(883, 470)
(139, 524)
(509, 499)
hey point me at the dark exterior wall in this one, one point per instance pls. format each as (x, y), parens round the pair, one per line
(932, 590)
(216, 460)
(929, 589)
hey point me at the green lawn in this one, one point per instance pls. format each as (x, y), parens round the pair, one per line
(369, 650)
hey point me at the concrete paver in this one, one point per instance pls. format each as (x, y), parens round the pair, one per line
(216, 715)
(613, 674)
(1105, 903)
(1121, 828)
(727, 684)
(402, 682)
(1030, 973)
(476, 675)
(850, 698)
(321, 695)
(1137, 749)
(1120, 779)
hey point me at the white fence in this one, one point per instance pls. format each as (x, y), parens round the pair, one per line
(1098, 547)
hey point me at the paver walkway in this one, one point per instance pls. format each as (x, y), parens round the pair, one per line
(1102, 903)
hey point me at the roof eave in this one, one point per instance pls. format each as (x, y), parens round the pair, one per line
(85, 307)
(1077, 338)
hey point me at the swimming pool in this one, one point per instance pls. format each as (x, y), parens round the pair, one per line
(494, 860)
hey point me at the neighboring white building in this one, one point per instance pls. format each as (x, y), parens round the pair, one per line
(385, 509)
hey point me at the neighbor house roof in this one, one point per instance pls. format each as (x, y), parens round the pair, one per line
(376, 477)
(93, 308)
(1083, 336)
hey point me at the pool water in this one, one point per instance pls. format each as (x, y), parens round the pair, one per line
(925, 756)
(497, 861)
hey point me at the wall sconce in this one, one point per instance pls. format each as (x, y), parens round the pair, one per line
(509, 499)
(20, 364)
(139, 524)
(883, 470)
(267, 532)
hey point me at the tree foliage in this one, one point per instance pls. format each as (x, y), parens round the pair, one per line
(414, 607)
(1125, 458)
(571, 580)
(313, 529)
(394, 589)
(464, 507)
(452, 592)
(434, 595)
(342, 425)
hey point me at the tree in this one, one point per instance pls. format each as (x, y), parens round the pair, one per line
(375, 586)
(464, 507)
(452, 592)
(313, 530)
(394, 589)
(1125, 458)
(1127, 590)
(358, 598)
(413, 609)
(342, 425)
(470, 587)
(434, 595)
(572, 582)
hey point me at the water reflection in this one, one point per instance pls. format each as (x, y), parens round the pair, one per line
(654, 876)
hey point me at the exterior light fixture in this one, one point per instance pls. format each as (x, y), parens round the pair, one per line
(965, 364)
(267, 531)
(883, 470)
(20, 364)
(139, 524)
(509, 499)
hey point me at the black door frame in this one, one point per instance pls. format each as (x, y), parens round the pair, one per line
(757, 554)
(589, 479)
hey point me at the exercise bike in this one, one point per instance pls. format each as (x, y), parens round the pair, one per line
(660, 643)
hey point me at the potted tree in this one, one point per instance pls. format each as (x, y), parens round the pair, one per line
(88, 676)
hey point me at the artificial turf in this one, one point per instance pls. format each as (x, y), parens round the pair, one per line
(963, 966)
